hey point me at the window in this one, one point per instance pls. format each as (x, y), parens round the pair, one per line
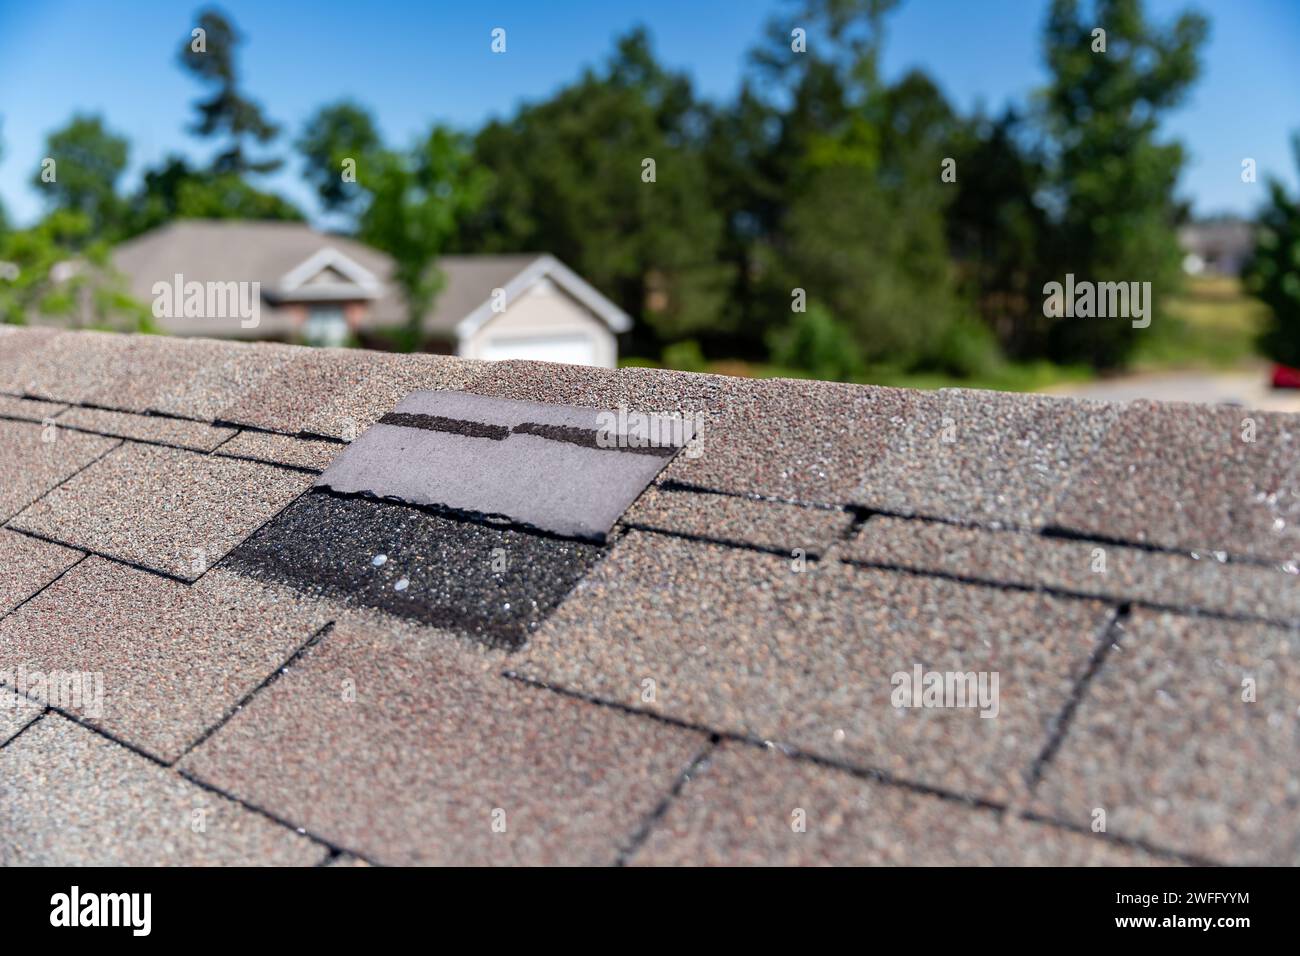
(326, 326)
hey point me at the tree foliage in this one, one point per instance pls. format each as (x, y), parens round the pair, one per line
(1273, 273)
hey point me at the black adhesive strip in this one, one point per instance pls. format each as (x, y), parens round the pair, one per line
(438, 423)
(587, 438)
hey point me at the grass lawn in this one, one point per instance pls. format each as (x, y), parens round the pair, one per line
(1211, 325)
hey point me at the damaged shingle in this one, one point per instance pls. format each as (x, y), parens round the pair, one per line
(495, 584)
(566, 471)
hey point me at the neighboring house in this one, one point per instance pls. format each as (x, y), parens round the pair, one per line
(1216, 246)
(324, 289)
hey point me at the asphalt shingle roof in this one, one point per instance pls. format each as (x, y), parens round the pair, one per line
(361, 680)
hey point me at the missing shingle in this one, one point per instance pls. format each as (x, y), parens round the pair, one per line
(491, 583)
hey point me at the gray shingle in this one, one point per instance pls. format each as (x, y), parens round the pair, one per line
(33, 465)
(1164, 742)
(15, 714)
(745, 807)
(521, 461)
(729, 519)
(172, 511)
(738, 641)
(173, 659)
(166, 431)
(74, 367)
(74, 798)
(1180, 476)
(27, 565)
(1080, 567)
(28, 409)
(282, 450)
(401, 743)
(983, 457)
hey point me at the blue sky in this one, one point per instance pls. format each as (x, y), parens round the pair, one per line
(414, 62)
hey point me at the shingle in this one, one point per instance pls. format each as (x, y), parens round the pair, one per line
(31, 465)
(27, 565)
(983, 457)
(196, 378)
(495, 584)
(782, 438)
(1181, 476)
(800, 441)
(753, 807)
(153, 428)
(739, 641)
(282, 449)
(1079, 567)
(16, 341)
(742, 521)
(172, 658)
(1164, 742)
(405, 745)
(72, 367)
(339, 393)
(15, 713)
(172, 511)
(646, 390)
(74, 798)
(28, 409)
(543, 466)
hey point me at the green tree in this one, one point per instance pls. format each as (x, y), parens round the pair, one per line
(332, 136)
(1111, 178)
(227, 113)
(176, 190)
(1273, 273)
(88, 161)
(415, 203)
(58, 269)
(571, 176)
(859, 224)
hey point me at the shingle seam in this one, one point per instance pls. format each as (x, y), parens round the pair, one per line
(24, 728)
(274, 818)
(98, 458)
(811, 555)
(44, 587)
(677, 485)
(646, 827)
(1060, 726)
(1134, 843)
(36, 535)
(302, 469)
(136, 440)
(1066, 534)
(94, 728)
(871, 774)
(270, 679)
(1073, 595)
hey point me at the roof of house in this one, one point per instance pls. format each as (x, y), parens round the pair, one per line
(719, 674)
(294, 262)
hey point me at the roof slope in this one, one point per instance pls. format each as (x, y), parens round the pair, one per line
(349, 678)
(216, 250)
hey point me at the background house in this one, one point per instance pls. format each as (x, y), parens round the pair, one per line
(328, 289)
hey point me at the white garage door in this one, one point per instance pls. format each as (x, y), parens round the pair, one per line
(576, 349)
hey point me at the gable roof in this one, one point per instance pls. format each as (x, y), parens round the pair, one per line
(285, 256)
(819, 541)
